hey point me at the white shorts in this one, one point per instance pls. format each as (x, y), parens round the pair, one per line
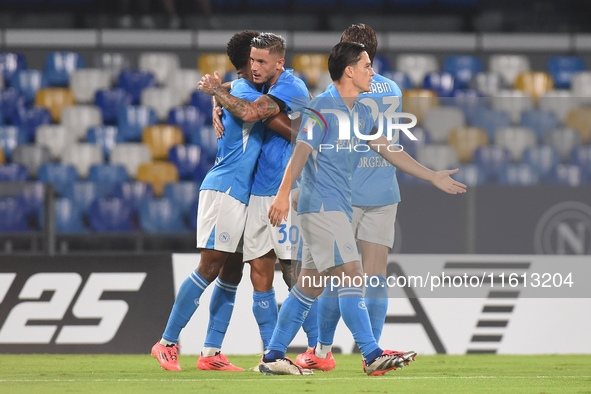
(260, 236)
(328, 240)
(220, 221)
(375, 224)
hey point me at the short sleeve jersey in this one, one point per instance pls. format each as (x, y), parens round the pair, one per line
(276, 150)
(238, 149)
(374, 179)
(326, 183)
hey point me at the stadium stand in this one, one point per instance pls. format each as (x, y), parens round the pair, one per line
(28, 82)
(110, 102)
(131, 155)
(416, 66)
(160, 138)
(161, 216)
(55, 100)
(77, 119)
(111, 214)
(58, 175)
(82, 156)
(132, 120)
(158, 174)
(31, 156)
(59, 65)
(85, 82)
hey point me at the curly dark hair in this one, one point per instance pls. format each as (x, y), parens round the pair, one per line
(362, 34)
(238, 48)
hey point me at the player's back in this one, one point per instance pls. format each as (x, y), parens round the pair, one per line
(238, 149)
(374, 180)
(276, 150)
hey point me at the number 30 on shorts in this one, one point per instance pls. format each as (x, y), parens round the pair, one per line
(293, 236)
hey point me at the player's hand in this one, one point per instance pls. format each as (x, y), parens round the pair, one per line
(295, 195)
(445, 182)
(279, 209)
(217, 121)
(209, 83)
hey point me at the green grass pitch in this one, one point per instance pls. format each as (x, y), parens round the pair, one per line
(440, 373)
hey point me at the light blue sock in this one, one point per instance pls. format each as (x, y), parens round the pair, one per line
(356, 318)
(220, 312)
(376, 300)
(264, 308)
(329, 315)
(291, 317)
(186, 303)
(310, 325)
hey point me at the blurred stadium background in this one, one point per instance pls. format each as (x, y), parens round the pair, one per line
(104, 138)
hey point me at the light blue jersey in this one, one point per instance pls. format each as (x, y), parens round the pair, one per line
(374, 179)
(276, 150)
(238, 149)
(326, 183)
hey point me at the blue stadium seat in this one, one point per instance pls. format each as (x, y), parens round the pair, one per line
(132, 121)
(206, 138)
(518, 174)
(11, 102)
(107, 176)
(59, 66)
(203, 102)
(468, 100)
(104, 136)
(28, 82)
(110, 102)
(411, 147)
(161, 216)
(111, 214)
(192, 215)
(12, 215)
(13, 172)
(490, 120)
(381, 64)
(33, 195)
(10, 63)
(28, 119)
(134, 81)
(82, 194)
(10, 137)
(463, 68)
(68, 218)
(544, 158)
(186, 158)
(134, 193)
(562, 69)
(581, 156)
(470, 174)
(441, 82)
(539, 120)
(566, 174)
(60, 176)
(491, 159)
(402, 79)
(188, 118)
(183, 194)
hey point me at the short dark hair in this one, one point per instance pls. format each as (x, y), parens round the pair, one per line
(342, 55)
(273, 42)
(238, 48)
(363, 34)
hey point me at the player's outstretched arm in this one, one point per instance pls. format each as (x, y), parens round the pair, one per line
(261, 108)
(280, 206)
(404, 162)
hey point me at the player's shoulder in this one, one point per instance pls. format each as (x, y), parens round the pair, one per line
(382, 85)
(289, 81)
(241, 84)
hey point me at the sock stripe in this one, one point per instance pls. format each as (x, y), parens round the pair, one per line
(199, 280)
(231, 287)
(350, 292)
(303, 297)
